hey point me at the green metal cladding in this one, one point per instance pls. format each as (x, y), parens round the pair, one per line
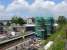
(44, 26)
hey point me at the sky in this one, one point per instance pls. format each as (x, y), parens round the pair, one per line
(6, 2)
(32, 8)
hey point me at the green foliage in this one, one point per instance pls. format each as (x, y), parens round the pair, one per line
(61, 20)
(58, 39)
(58, 45)
(14, 20)
(8, 23)
(18, 20)
(21, 21)
(1, 24)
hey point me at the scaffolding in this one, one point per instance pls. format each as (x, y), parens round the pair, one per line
(44, 26)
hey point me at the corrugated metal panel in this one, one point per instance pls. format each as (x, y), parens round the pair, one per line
(48, 24)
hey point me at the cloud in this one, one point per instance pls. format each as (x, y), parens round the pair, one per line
(37, 8)
(2, 8)
(22, 5)
(60, 9)
(65, 0)
(42, 8)
(17, 5)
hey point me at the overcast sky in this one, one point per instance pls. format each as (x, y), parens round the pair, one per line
(27, 8)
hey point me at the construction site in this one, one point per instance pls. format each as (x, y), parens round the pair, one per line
(27, 37)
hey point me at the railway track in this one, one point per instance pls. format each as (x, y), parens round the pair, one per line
(13, 42)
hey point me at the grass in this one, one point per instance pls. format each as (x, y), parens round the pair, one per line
(58, 39)
(58, 45)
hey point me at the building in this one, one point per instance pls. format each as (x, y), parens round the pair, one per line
(44, 26)
(30, 20)
(4, 22)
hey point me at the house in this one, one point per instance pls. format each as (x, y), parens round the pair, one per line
(4, 22)
(30, 20)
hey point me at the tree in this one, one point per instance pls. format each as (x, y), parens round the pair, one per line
(8, 23)
(14, 20)
(1, 24)
(61, 20)
(18, 20)
(21, 21)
